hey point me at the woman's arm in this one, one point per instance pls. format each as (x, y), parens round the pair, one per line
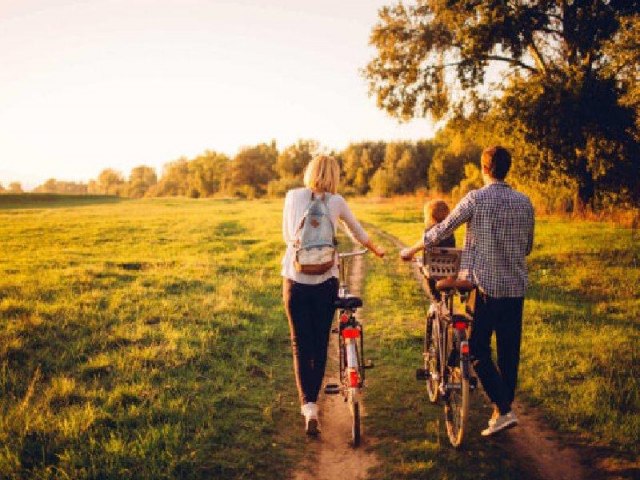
(355, 230)
(286, 214)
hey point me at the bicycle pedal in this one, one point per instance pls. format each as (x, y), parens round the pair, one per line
(369, 364)
(422, 374)
(331, 389)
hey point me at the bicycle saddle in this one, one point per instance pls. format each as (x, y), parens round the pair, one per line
(451, 283)
(348, 302)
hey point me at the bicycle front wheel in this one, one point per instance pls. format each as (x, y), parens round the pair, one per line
(431, 363)
(456, 408)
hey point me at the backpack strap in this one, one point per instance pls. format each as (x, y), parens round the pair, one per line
(304, 216)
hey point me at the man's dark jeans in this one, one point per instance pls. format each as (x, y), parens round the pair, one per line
(504, 316)
(310, 312)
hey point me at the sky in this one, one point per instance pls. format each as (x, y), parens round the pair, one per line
(93, 84)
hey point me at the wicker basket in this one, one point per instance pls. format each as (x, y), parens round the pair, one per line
(439, 262)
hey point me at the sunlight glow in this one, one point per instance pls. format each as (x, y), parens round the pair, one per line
(92, 84)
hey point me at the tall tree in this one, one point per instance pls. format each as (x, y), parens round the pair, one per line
(15, 187)
(208, 174)
(141, 179)
(292, 161)
(433, 57)
(110, 182)
(252, 169)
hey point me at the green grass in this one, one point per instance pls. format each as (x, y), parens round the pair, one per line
(580, 359)
(144, 339)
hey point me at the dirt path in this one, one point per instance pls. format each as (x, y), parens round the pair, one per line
(532, 442)
(334, 457)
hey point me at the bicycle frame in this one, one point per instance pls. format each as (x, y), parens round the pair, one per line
(350, 348)
(446, 355)
(451, 331)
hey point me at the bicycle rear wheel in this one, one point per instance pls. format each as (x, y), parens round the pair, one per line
(355, 378)
(431, 361)
(355, 423)
(456, 408)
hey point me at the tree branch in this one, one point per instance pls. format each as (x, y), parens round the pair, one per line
(495, 58)
(512, 61)
(535, 53)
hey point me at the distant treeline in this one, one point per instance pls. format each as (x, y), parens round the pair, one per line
(447, 164)
(379, 168)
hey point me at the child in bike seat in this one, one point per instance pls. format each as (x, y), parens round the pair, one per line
(435, 211)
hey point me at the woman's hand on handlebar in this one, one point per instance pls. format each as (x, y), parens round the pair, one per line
(376, 249)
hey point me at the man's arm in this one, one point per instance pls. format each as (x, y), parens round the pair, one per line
(409, 252)
(533, 223)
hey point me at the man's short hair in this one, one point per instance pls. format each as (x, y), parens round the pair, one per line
(497, 161)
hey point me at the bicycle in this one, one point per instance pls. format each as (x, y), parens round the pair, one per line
(446, 359)
(350, 349)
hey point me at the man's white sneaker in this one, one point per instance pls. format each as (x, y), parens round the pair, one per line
(503, 422)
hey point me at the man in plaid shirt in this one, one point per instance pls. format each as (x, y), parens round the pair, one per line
(498, 238)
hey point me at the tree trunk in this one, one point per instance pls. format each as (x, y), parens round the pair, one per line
(584, 195)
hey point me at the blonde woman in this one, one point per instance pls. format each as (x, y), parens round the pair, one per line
(308, 299)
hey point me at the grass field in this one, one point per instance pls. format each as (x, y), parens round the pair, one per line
(146, 339)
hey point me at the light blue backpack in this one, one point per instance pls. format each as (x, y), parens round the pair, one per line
(315, 239)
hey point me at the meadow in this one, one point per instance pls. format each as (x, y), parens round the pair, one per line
(146, 339)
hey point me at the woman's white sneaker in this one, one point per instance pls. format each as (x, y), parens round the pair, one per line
(311, 424)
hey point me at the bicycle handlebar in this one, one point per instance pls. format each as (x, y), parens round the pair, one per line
(352, 254)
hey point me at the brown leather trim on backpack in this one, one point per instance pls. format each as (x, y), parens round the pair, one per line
(313, 269)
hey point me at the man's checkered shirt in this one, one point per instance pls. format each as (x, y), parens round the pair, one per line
(499, 236)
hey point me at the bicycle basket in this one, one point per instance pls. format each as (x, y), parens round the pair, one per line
(439, 262)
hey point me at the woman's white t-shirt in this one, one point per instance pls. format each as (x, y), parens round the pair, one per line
(295, 204)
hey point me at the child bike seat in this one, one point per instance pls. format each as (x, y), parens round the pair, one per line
(348, 302)
(450, 283)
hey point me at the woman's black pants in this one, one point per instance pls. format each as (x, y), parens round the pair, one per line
(310, 312)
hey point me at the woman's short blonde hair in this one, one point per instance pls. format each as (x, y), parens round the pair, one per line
(435, 211)
(322, 174)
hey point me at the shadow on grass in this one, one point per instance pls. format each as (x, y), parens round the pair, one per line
(52, 200)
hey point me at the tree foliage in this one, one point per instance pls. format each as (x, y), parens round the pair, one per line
(15, 187)
(559, 92)
(252, 169)
(141, 179)
(63, 187)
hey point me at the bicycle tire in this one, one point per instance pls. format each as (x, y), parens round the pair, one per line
(342, 359)
(431, 361)
(355, 423)
(456, 408)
